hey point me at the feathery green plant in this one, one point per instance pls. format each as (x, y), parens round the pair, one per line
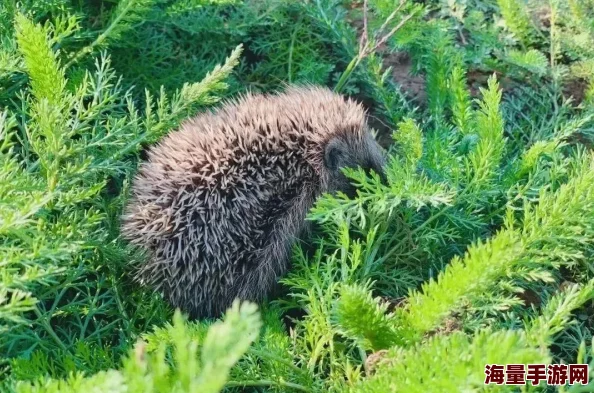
(61, 152)
(182, 366)
(475, 250)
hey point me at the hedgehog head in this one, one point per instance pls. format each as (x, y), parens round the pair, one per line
(351, 150)
(337, 127)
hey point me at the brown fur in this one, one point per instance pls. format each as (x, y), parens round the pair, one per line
(219, 202)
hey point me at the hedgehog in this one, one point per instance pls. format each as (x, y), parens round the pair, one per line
(218, 203)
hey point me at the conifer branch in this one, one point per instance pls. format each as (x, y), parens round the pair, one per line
(121, 13)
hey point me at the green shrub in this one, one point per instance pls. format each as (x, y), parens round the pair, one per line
(476, 250)
(142, 371)
(65, 157)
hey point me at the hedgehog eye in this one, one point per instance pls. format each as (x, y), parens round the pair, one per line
(336, 154)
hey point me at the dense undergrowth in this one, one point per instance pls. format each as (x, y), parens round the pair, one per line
(477, 251)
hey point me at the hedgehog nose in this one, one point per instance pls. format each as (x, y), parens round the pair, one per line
(381, 171)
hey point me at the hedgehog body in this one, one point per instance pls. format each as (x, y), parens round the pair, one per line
(218, 203)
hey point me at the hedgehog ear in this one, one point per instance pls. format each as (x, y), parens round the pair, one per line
(336, 154)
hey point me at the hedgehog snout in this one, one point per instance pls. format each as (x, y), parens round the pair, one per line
(380, 170)
(376, 161)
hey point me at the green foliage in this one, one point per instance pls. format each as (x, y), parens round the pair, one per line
(409, 140)
(63, 156)
(516, 18)
(462, 113)
(360, 317)
(485, 159)
(470, 183)
(47, 78)
(185, 367)
(454, 363)
(475, 249)
(532, 60)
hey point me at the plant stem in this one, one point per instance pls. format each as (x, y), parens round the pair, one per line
(265, 382)
(364, 45)
(44, 322)
(102, 37)
(364, 360)
(291, 47)
(416, 230)
(277, 359)
(347, 73)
